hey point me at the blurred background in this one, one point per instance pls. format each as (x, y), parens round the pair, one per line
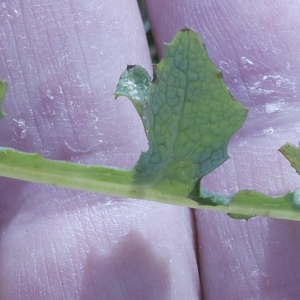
(147, 27)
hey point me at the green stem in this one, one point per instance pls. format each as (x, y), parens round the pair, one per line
(33, 167)
(119, 182)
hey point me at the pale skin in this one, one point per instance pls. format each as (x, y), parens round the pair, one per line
(62, 62)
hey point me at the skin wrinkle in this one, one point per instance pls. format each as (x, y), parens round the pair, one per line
(59, 272)
(28, 36)
(71, 262)
(74, 129)
(25, 82)
(84, 60)
(36, 69)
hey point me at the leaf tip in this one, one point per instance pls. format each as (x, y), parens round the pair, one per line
(186, 28)
(239, 216)
(129, 67)
(292, 154)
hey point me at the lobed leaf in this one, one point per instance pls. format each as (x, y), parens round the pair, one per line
(189, 117)
(292, 154)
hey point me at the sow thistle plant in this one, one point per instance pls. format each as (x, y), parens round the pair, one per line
(189, 117)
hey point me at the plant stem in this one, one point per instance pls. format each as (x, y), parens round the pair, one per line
(120, 182)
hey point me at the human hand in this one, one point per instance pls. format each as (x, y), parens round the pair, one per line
(62, 62)
(255, 45)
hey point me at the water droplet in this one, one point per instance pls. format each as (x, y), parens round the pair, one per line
(247, 63)
(86, 150)
(23, 133)
(278, 81)
(93, 119)
(10, 17)
(269, 130)
(276, 50)
(78, 18)
(9, 63)
(21, 124)
(230, 243)
(247, 46)
(19, 69)
(224, 66)
(254, 274)
(274, 106)
(107, 201)
(49, 95)
(263, 47)
(45, 153)
(259, 89)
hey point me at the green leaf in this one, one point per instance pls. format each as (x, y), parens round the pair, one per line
(189, 117)
(3, 87)
(239, 216)
(253, 203)
(134, 84)
(292, 153)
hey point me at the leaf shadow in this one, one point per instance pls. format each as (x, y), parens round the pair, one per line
(132, 270)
